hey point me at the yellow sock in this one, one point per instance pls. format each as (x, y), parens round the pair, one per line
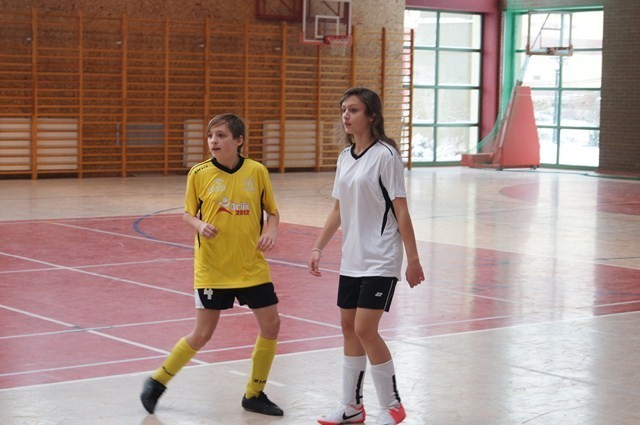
(179, 356)
(262, 357)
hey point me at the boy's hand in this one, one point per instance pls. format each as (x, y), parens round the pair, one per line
(207, 230)
(266, 243)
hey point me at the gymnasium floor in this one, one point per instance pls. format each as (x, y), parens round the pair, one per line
(530, 313)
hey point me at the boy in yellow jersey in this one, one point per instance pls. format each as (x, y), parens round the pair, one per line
(226, 199)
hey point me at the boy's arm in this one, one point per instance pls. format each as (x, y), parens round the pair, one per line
(205, 229)
(267, 240)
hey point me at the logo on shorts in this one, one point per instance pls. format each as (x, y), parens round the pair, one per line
(379, 294)
(208, 292)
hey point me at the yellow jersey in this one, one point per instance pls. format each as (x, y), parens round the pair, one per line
(234, 201)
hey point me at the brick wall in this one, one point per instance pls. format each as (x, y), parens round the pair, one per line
(620, 105)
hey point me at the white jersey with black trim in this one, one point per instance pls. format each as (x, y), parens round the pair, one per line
(365, 186)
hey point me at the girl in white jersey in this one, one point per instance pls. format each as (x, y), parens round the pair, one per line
(371, 207)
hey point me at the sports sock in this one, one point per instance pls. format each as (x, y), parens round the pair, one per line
(384, 379)
(180, 355)
(353, 369)
(261, 360)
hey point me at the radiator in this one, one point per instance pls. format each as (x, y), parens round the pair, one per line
(299, 144)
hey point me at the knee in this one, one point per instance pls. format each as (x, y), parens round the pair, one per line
(348, 329)
(271, 328)
(365, 332)
(197, 340)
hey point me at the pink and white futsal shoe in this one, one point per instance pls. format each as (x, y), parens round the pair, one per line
(392, 415)
(344, 414)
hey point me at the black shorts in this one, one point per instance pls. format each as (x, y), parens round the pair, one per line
(221, 299)
(374, 292)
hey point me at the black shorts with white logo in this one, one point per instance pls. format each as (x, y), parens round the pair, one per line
(374, 292)
(258, 296)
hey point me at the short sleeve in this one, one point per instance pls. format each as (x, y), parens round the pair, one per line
(191, 202)
(268, 198)
(392, 175)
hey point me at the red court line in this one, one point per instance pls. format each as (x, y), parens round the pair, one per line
(97, 297)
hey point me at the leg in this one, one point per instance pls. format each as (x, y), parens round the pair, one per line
(268, 321)
(355, 360)
(187, 347)
(255, 400)
(206, 323)
(181, 354)
(366, 323)
(352, 345)
(351, 409)
(264, 350)
(382, 370)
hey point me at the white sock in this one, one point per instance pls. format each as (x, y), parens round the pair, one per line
(384, 379)
(353, 369)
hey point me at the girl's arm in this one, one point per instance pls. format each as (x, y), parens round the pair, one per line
(331, 225)
(414, 273)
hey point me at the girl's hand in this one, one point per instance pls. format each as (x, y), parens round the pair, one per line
(314, 263)
(414, 274)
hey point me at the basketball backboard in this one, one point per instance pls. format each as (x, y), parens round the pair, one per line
(321, 18)
(549, 33)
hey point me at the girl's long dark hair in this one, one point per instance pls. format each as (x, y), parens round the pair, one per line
(373, 105)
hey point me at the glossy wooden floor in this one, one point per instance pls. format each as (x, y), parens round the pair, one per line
(530, 313)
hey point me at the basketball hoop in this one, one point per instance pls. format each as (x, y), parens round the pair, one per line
(338, 44)
(551, 51)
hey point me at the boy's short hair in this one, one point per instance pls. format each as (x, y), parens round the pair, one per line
(233, 122)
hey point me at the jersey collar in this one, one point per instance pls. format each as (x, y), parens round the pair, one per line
(353, 150)
(228, 170)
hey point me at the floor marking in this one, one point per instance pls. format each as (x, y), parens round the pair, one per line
(100, 275)
(55, 369)
(126, 325)
(141, 238)
(93, 332)
(243, 374)
(302, 353)
(126, 263)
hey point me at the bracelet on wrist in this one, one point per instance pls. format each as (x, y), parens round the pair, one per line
(318, 250)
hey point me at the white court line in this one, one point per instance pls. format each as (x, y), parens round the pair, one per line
(190, 294)
(573, 259)
(123, 235)
(245, 375)
(93, 332)
(100, 275)
(579, 260)
(190, 246)
(615, 304)
(162, 356)
(127, 325)
(81, 366)
(164, 352)
(91, 266)
(522, 325)
(409, 340)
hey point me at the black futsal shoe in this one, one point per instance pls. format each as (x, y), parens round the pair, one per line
(261, 404)
(151, 392)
